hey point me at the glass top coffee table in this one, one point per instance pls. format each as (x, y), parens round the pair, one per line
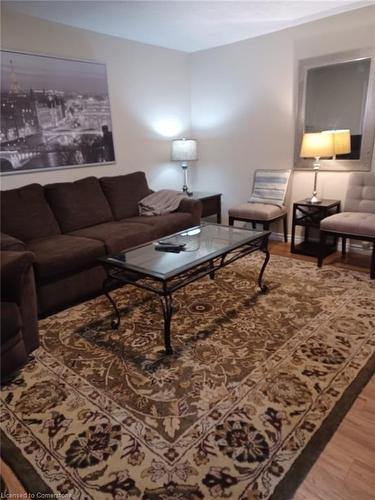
(204, 250)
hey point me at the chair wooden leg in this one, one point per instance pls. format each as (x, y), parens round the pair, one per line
(285, 224)
(231, 221)
(372, 268)
(266, 226)
(253, 224)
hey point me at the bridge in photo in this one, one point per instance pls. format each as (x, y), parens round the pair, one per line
(15, 159)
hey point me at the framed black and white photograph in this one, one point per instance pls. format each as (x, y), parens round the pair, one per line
(55, 113)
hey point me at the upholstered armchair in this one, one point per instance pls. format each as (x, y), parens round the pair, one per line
(357, 221)
(267, 201)
(19, 325)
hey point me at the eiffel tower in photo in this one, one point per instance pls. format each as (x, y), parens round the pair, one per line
(15, 87)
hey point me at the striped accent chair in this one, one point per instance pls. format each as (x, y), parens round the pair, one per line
(267, 201)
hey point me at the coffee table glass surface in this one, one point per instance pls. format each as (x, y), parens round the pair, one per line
(202, 251)
(202, 243)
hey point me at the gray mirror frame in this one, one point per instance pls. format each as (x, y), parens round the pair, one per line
(368, 135)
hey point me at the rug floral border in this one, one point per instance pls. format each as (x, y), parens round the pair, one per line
(284, 490)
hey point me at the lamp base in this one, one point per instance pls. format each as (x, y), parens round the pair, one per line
(185, 190)
(314, 199)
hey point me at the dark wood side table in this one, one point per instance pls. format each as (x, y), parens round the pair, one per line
(211, 203)
(309, 215)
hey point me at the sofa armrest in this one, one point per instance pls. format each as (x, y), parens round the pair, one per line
(8, 242)
(188, 205)
(13, 267)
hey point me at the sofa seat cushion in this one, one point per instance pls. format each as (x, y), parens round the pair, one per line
(10, 321)
(69, 289)
(118, 236)
(257, 211)
(165, 224)
(124, 192)
(63, 254)
(355, 223)
(78, 204)
(25, 213)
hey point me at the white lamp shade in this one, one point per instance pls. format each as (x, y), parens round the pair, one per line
(341, 141)
(184, 150)
(316, 144)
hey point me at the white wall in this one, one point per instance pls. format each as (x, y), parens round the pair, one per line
(149, 93)
(243, 99)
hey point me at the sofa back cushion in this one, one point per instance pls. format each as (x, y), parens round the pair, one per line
(26, 215)
(78, 204)
(360, 196)
(124, 192)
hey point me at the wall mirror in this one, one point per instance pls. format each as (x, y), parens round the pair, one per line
(336, 92)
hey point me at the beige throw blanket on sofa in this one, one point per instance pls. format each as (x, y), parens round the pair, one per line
(161, 202)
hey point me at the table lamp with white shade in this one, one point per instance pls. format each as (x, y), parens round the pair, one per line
(184, 150)
(316, 145)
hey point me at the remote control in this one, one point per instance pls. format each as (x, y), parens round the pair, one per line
(169, 244)
(169, 248)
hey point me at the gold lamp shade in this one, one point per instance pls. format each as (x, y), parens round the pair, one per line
(341, 141)
(316, 145)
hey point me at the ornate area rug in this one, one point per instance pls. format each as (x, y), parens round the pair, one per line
(256, 386)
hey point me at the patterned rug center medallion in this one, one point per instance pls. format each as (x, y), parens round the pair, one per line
(104, 413)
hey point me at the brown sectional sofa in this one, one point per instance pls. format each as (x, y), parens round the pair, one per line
(67, 226)
(19, 327)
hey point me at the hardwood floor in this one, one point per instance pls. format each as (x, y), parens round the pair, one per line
(346, 468)
(15, 488)
(356, 261)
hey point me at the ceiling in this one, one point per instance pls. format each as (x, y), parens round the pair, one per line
(183, 25)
